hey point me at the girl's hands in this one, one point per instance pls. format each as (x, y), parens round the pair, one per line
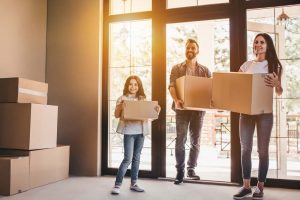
(119, 109)
(272, 80)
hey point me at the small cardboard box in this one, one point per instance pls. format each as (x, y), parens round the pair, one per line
(194, 91)
(14, 174)
(28, 126)
(139, 110)
(45, 165)
(242, 93)
(20, 90)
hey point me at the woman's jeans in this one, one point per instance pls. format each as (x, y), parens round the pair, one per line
(264, 124)
(133, 145)
(192, 121)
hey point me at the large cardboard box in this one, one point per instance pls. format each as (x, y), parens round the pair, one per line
(14, 175)
(45, 165)
(28, 126)
(194, 91)
(20, 90)
(242, 92)
(140, 110)
(49, 165)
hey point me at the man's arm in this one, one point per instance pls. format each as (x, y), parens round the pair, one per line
(172, 87)
(178, 102)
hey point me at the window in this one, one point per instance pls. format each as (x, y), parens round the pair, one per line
(129, 54)
(129, 6)
(188, 3)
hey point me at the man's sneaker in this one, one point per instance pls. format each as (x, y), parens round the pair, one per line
(116, 189)
(243, 192)
(179, 177)
(258, 194)
(192, 175)
(136, 188)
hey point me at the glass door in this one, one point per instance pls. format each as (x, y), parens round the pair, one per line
(284, 144)
(130, 48)
(214, 52)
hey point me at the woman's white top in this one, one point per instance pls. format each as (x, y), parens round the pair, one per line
(255, 67)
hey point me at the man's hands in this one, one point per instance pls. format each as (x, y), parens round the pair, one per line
(178, 104)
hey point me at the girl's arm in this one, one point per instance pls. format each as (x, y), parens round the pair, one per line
(119, 108)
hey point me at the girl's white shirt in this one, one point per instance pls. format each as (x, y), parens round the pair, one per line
(255, 67)
(132, 127)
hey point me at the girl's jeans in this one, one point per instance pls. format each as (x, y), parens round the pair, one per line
(133, 145)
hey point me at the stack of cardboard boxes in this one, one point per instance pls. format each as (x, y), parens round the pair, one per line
(29, 155)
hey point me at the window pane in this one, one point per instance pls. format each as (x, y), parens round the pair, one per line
(129, 6)
(130, 53)
(119, 50)
(131, 44)
(188, 3)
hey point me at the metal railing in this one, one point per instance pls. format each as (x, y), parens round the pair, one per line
(293, 136)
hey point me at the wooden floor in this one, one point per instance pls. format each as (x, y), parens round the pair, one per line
(98, 188)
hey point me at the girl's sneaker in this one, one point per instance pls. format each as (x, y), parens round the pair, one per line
(116, 189)
(136, 188)
(243, 192)
(258, 194)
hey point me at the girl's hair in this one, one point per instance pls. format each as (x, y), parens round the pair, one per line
(274, 64)
(140, 93)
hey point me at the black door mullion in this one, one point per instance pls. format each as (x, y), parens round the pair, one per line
(238, 55)
(159, 87)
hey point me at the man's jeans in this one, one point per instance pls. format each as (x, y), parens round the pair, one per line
(264, 124)
(192, 121)
(133, 145)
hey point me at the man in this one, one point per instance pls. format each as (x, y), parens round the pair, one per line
(187, 119)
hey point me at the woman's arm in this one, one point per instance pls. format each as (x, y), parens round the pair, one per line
(272, 80)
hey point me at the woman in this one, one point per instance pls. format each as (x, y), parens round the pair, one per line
(266, 61)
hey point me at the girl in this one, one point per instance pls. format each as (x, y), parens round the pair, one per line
(134, 132)
(266, 61)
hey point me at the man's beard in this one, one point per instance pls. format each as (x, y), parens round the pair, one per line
(190, 55)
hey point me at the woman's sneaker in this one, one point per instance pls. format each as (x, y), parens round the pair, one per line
(116, 189)
(136, 188)
(243, 192)
(258, 194)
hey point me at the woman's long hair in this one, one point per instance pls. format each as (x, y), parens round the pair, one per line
(274, 64)
(140, 93)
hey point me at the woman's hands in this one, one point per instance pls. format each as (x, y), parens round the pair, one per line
(272, 80)
(157, 108)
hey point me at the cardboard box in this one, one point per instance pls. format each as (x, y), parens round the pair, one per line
(20, 90)
(14, 175)
(140, 110)
(49, 165)
(242, 93)
(194, 91)
(45, 165)
(28, 126)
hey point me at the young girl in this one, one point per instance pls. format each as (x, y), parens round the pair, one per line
(266, 61)
(134, 132)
